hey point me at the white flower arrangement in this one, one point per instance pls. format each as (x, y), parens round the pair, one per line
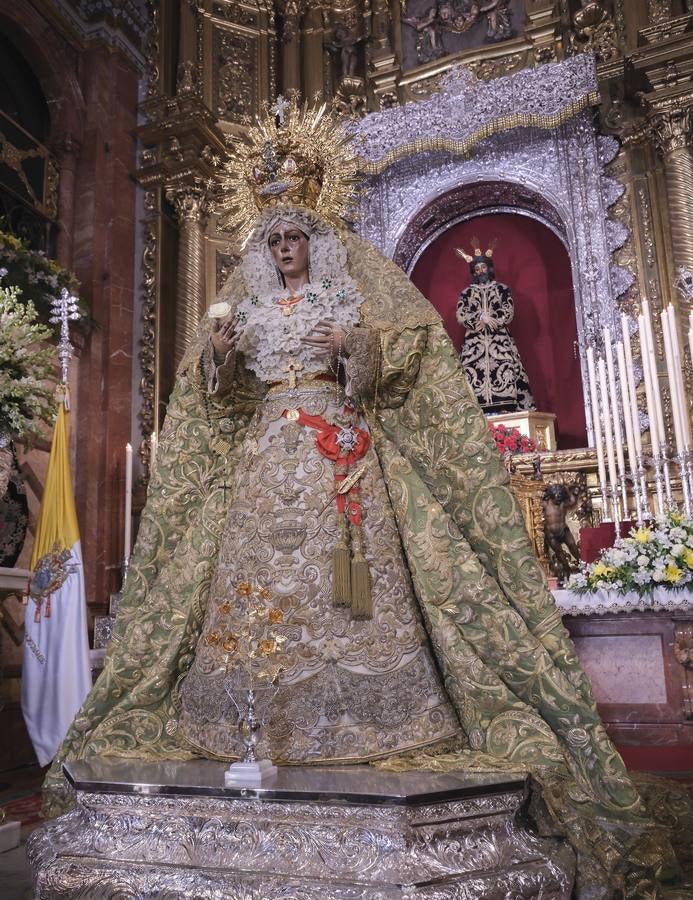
(27, 374)
(658, 555)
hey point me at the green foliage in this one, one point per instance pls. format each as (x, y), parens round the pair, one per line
(27, 370)
(38, 278)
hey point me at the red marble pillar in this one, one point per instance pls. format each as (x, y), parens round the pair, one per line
(103, 260)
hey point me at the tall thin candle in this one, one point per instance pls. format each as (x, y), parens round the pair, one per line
(596, 427)
(654, 377)
(654, 432)
(678, 376)
(673, 385)
(631, 384)
(615, 414)
(127, 540)
(627, 418)
(606, 421)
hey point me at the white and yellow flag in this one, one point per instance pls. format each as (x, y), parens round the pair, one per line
(56, 676)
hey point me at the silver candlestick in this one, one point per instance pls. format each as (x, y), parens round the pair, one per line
(615, 510)
(666, 469)
(644, 495)
(659, 482)
(623, 484)
(683, 462)
(250, 770)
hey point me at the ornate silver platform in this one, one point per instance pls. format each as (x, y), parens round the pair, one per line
(173, 830)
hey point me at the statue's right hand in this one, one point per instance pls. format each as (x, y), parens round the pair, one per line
(224, 337)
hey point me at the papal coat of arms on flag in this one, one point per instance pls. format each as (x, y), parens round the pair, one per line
(48, 577)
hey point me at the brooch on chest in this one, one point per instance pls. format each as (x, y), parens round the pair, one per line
(288, 304)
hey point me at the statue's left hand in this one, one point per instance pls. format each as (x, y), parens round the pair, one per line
(327, 338)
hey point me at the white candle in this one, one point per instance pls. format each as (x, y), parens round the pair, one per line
(153, 447)
(673, 386)
(654, 433)
(654, 376)
(615, 412)
(690, 341)
(627, 417)
(596, 425)
(606, 422)
(128, 503)
(678, 376)
(635, 414)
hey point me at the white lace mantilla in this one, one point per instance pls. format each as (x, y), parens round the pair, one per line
(271, 340)
(601, 603)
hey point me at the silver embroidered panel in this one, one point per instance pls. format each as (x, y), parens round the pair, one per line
(466, 105)
(130, 844)
(562, 168)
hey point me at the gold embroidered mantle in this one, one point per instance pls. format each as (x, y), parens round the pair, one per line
(506, 661)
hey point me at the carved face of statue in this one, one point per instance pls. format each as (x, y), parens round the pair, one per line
(481, 273)
(290, 250)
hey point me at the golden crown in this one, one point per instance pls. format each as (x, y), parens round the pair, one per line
(476, 250)
(294, 155)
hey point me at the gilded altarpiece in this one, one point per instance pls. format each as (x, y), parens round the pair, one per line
(234, 55)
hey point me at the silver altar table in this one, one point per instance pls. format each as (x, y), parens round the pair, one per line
(173, 830)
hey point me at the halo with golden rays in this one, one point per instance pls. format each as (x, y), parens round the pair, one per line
(295, 154)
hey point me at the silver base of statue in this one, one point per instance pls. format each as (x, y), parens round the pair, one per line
(174, 830)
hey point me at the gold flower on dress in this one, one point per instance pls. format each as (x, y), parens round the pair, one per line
(225, 608)
(275, 616)
(265, 593)
(230, 644)
(213, 638)
(266, 647)
(245, 589)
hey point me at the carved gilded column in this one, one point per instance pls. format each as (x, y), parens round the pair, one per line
(291, 45)
(671, 131)
(190, 205)
(313, 75)
(383, 67)
(187, 50)
(149, 354)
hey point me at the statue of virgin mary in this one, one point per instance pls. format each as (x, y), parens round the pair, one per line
(322, 445)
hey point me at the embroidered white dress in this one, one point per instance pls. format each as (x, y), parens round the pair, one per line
(350, 689)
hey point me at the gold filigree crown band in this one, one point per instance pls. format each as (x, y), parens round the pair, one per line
(294, 155)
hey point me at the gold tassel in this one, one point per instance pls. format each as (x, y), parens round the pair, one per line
(341, 568)
(361, 596)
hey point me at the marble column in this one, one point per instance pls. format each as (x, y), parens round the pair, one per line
(671, 130)
(190, 205)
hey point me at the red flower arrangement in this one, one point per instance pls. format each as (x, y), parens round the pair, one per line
(511, 439)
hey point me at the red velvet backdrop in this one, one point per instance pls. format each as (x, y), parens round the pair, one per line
(531, 259)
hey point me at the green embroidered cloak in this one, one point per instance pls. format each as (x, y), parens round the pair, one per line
(505, 657)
